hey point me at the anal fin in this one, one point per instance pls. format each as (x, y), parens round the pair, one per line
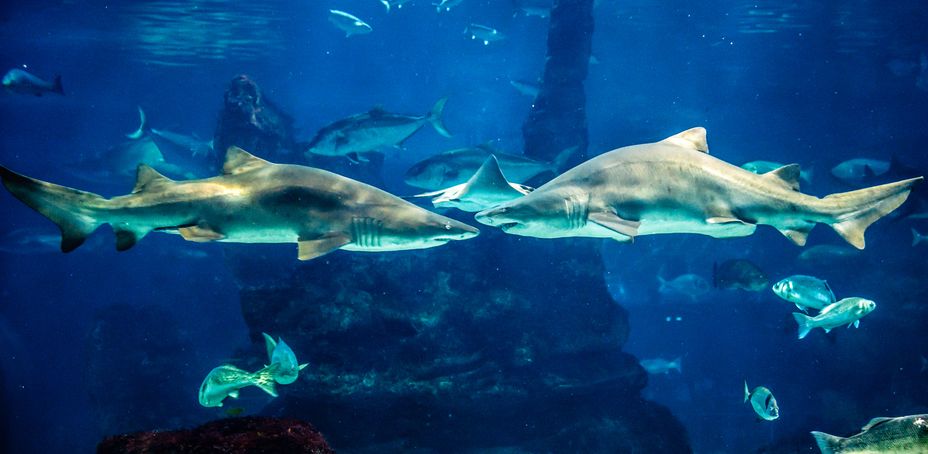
(310, 249)
(797, 234)
(615, 223)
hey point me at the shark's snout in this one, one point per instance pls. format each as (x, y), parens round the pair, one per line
(456, 231)
(492, 216)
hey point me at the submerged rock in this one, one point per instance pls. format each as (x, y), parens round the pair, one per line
(235, 435)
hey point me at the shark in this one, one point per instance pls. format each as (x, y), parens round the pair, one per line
(487, 188)
(675, 186)
(252, 201)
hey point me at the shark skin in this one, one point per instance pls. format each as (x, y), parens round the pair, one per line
(487, 188)
(253, 201)
(675, 186)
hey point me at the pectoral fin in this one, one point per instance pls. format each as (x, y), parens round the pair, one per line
(613, 222)
(310, 249)
(724, 220)
(200, 233)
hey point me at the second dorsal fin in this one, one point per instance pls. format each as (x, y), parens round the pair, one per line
(147, 179)
(238, 161)
(787, 175)
(693, 139)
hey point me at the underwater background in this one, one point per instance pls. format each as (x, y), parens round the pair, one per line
(496, 344)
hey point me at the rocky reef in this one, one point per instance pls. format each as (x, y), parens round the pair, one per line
(459, 347)
(251, 434)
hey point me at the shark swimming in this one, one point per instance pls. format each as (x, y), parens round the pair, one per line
(675, 186)
(487, 188)
(252, 201)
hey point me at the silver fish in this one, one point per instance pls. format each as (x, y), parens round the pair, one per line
(762, 401)
(902, 435)
(857, 169)
(690, 285)
(18, 81)
(847, 311)
(280, 354)
(805, 292)
(348, 23)
(483, 33)
(226, 381)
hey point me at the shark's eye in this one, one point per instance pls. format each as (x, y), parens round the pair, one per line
(447, 226)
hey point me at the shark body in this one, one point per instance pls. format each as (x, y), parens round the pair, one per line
(253, 201)
(675, 186)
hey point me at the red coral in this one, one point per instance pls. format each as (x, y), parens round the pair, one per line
(233, 435)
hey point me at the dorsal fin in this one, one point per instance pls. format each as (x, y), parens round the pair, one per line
(489, 175)
(875, 422)
(788, 175)
(147, 178)
(238, 161)
(693, 139)
(377, 111)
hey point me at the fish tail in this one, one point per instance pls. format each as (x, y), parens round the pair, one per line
(854, 211)
(747, 392)
(56, 87)
(917, 237)
(138, 133)
(804, 323)
(677, 364)
(264, 379)
(828, 444)
(435, 117)
(72, 210)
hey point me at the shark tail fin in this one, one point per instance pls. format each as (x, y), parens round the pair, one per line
(802, 321)
(917, 237)
(858, 209)
(56, 87)
(264, 379)
(72, 210)
(828, 444)
(677, 364)
(435, 117)
(138, 133)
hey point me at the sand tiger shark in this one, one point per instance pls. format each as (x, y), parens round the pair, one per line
(675, 186)
(253, 201)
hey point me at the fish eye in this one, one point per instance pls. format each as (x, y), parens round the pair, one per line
(447, 226)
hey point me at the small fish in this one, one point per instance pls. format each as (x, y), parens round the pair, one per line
(279, 353)
(192, 144)
(763, 402)
(526, 88)
(536, 8)
(226, 381)
(918, 238)
(19, 81)
(483, 33)
(854, 170)
(761, 167)
(457, 166)
(739, 274)
(805, 292)
(847, 311)
(446, 5)
(905, 434)
(486, 188)
(348, 23)
(827, 254)
(661, 366)
(373, 130)
(689, 285)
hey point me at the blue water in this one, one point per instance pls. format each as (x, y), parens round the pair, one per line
(813, 83)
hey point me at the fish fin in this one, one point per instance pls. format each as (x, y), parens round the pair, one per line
(875, 422)
(435, 193)
(798, 234)
(856, 323)
(747, 392)
(386, 4)
(269, 345)
(138, 133)
(916, 237)
(561, 158)
(234, 394)
(803, 309)
(126, 238)
(147, 178)
(72, 210)
(377, 111)
(57, 88)
(677, 364)
(310, 249)
(613, 222)
(802, 321)
(787, 176)
(693, 139)
(725, 220)
(827, 330)
(199, 233)
(866, 206)
(827, 443)
(356, 158)
(434, 117)
(239, 161)
(264, 379)
(303, 366)
(489, 174)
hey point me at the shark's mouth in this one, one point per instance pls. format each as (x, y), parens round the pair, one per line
(507, 225)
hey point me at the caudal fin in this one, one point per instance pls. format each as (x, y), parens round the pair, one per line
(138, 133)
(435, 117)
(677, 364)
(72, 210)
(57, 88)
(264, 379)
(828, 444)
(804, 322)
(858, 209)
(917, 237)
